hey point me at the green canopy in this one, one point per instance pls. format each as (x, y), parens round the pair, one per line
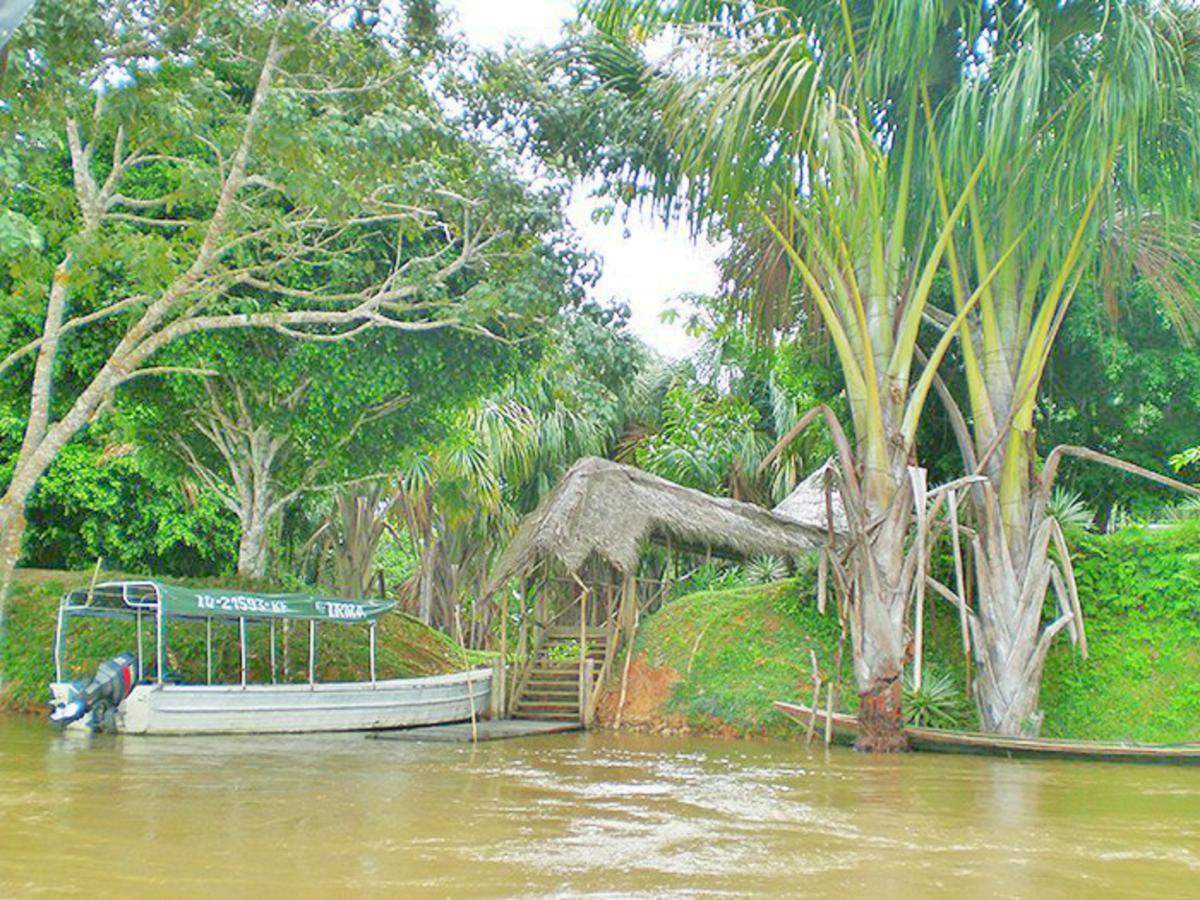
(217, 603)
(124, 597)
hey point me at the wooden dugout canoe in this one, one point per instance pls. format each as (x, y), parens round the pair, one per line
(844, 728)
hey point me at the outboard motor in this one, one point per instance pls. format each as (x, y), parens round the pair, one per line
(114, 680)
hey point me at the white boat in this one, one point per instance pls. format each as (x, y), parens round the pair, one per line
(122, 697)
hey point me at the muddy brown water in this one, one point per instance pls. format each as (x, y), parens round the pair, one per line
(569, 815)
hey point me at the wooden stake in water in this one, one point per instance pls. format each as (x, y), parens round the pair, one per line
(470, 686)
(816, 696)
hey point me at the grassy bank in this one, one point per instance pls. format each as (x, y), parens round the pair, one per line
(714, 661)
(405, 646)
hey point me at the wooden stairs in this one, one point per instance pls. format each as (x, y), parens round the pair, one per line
(550, 687)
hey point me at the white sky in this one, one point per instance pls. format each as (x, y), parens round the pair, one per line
(645, 263)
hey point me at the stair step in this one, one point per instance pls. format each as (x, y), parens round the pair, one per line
(547, 718)
(544, 697)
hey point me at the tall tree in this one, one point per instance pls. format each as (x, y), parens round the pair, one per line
(279, 417)
(220, 164)
(1043, 117)
(765, 122)
(1087, 116)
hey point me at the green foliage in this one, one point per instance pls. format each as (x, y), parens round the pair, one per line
(939, 703)
(737, 400)
(713, 575)
(100, 498)
(405, 647)
(564, 651)
(1140, 590)
(1130, 389)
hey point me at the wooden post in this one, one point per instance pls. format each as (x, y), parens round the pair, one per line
(585, 707)
(583, 603)
(816, 696)
(628, 616)
(502, 707)
(829, 714)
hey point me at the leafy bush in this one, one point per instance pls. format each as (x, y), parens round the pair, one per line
(710, 576)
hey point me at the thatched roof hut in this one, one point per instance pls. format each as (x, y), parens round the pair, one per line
(806, 504)
(611, 510)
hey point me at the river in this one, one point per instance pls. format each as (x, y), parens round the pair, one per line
(567, 815)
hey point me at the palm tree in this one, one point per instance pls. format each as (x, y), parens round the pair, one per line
(1045, 114)
(765, 121)
(1087, 118)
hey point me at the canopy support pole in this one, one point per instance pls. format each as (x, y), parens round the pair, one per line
(159, 629)
(312, 652)
(242, 645)
(59, 639)
(138, 616)
(272, 623)
(372, 653)
(208, 649)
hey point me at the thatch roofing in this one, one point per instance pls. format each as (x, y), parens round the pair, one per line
(611, 510)
(806, 503)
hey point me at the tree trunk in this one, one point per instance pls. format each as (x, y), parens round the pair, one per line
(878, 620)
(880, 718)
(12, 530)
(1014, 577)
(252, 548)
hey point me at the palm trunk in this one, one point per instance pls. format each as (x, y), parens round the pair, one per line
(1014, 573)
(877, 627)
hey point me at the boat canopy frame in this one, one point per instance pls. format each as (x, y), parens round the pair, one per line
(136, 599)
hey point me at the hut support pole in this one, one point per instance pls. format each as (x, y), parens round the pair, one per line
(583, 608)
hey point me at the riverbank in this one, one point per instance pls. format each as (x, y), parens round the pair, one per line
(712, 662)
(405, 648)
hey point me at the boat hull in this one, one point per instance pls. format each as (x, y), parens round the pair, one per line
(844, 728)
(291, 708)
